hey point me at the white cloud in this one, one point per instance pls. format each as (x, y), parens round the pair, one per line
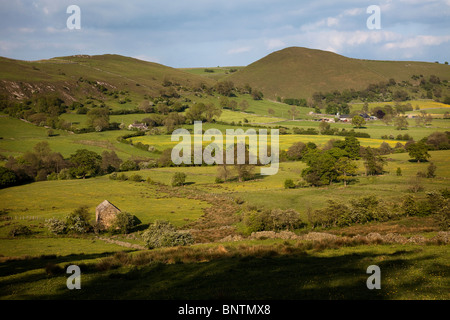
(417, 42)
(274, 44)
(239, 50)
(332, 21)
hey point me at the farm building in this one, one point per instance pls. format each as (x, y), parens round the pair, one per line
(105, 214)
(138, 126)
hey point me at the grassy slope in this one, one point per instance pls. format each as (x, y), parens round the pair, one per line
(324, 274)
(114, 71)
(299, 72)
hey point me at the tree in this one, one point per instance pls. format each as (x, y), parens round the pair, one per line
(293, 112)
(373, 163)
(358, 121)
(418, 151)
(85, 163)
(7, 177)
(400, 123)
(110, 161)
(387, 119)
(270, 111)
(98, 118)
(346, 169)
(431, 170)
(243, 105)
(296, 151)
(224, 102)
(212, 111)
(196, 112)
(178, 179)
(321, 169)
(350, 145)
(324, 126)
(225, 88)
(385, 148)
(257, 95)
(438, 140)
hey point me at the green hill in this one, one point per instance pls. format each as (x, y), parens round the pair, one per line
(76, 77)
(299, 72)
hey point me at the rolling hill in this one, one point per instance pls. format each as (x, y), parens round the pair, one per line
(76, 77)
(299, 72)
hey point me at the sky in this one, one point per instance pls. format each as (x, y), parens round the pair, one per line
(209, 33)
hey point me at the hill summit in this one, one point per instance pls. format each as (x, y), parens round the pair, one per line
(297, 72)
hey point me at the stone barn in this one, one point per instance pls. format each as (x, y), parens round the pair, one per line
(105, 214)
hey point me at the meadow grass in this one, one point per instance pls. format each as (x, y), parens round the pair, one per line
(263, 269)
(61, 246)
(61, 197)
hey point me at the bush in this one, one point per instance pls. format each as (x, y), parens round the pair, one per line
(362, 210)
(136, 178)
(289, 184)
(163, 234)
(124, 223)
(178, 179)
(275, 220)
(129, 165)
(56, 226)
(78, 221)
(19, 231)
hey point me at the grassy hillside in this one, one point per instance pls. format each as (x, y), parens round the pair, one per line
(233, 255)
(22, 79)
(299, 72)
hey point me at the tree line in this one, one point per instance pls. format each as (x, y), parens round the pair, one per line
(43, 164)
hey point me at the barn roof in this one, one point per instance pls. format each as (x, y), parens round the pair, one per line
(105, 204)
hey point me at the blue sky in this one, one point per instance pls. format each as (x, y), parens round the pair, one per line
(207, 33)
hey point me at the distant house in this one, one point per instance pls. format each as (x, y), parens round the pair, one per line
(345, 118)
(365, 116)
(138, 126)
(105, 214)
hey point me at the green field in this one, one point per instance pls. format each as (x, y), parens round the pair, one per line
(226, 260)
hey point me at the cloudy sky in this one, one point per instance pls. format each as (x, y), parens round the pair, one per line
(207, 33)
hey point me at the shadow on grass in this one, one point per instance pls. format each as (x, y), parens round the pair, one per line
(278, 277)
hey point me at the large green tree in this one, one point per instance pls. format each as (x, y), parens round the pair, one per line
(85, 163)
(418, 151)
(373, 162)
(346, 169)
(358, 121)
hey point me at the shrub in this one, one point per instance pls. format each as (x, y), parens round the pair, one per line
(361, 210)
(431, 170)
(78, 220)
(178, 179)
(129, 165)
(275, 220)
(289, 184)
(124, 223)
(19, 231)
(163, 234)
(52, 269)
(284, 219)
(56, 226)
(255, 221)
(136, 178)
